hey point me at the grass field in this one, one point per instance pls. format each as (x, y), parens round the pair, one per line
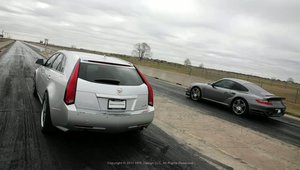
(291, 91)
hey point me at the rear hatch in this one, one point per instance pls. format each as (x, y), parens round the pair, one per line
(110, 87)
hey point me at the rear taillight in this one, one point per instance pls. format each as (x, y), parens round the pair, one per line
(150, 90)
(71, 86)
(263, 102)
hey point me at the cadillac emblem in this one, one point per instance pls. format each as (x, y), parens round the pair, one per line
(119, 91)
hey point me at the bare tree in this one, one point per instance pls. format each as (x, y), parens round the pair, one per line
(201, 65)
(142, 50)
(290, 80)
(187, 62)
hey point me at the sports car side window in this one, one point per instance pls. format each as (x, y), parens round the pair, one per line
(227, 84)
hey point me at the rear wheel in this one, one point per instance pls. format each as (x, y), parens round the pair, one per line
(239, 106)
(34, 91)
(46, 123)
(195, 93)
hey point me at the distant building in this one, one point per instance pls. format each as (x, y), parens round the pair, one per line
(1, 35)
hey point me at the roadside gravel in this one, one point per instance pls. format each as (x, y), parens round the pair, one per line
(231, 144)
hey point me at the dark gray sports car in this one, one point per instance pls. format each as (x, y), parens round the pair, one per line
(241, 96)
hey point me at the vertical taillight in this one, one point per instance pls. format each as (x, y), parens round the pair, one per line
(71, 86)
(150, 90)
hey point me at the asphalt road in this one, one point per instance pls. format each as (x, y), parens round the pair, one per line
(283, 128)
(23, 146)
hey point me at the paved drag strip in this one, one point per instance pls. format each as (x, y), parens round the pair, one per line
(23, 146)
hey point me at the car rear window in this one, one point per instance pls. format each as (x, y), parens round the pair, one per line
(256, 89)
(109, 74)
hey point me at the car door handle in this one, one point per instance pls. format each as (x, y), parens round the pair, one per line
(230, 93)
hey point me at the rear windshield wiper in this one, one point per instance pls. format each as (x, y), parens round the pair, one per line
(108, 81)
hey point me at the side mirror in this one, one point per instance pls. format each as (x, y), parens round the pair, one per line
(211, 84)
(40, 61)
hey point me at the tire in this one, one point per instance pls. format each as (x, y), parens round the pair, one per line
(134, 132)
(45, 120)
(239, 106)
(34, 87)
(195, 93)
(34, 90)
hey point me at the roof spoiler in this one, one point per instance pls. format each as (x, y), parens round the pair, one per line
(103, 62)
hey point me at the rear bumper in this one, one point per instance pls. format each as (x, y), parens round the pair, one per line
(268, 111)
(111, 122)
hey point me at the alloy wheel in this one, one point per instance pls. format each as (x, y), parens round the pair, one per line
(239, 106)
(195, 93)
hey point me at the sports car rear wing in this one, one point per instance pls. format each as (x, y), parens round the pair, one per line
(274, 98)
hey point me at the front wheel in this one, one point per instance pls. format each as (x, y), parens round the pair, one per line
(46, 123)
(195, 93)
(239, 107)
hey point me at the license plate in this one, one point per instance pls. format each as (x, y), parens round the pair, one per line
(116, 104)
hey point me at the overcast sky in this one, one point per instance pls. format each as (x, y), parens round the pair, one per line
(258, 37)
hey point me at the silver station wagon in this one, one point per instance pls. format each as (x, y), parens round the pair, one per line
(93, 92)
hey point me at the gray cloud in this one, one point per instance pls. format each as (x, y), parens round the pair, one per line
(254, 37)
